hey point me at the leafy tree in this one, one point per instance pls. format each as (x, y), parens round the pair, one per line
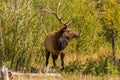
(110, 21)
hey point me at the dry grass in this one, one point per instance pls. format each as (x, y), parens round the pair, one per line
(71, 77)
(103, 51)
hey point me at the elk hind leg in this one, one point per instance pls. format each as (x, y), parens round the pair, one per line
(62, 60)
(47, 57)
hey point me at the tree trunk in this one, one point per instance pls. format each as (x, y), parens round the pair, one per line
(113, 46)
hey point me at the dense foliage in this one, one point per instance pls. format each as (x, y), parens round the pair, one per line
(24, 25)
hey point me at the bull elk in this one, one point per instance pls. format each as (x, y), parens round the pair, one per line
(57, 41)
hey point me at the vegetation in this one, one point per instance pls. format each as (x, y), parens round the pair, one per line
(24, 25)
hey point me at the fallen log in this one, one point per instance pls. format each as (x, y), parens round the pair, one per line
(7, 75)
(15, 74)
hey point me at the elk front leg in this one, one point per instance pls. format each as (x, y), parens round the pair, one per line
(54, 57)
(62, 60)
(47, 57)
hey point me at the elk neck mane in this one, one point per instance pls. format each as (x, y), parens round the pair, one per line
(61, 41)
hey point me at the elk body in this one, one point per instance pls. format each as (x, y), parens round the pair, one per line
(57, 41)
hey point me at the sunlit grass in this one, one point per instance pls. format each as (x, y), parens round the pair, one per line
(77, 75)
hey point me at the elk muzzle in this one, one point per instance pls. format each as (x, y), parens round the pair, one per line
(76, 34)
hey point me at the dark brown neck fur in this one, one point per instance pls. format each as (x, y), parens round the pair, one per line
(61, 41)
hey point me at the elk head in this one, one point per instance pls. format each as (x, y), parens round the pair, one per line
(66, 35)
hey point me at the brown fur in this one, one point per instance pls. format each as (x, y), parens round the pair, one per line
(56, 42)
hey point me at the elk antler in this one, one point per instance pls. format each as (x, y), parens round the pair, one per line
(56, 15)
